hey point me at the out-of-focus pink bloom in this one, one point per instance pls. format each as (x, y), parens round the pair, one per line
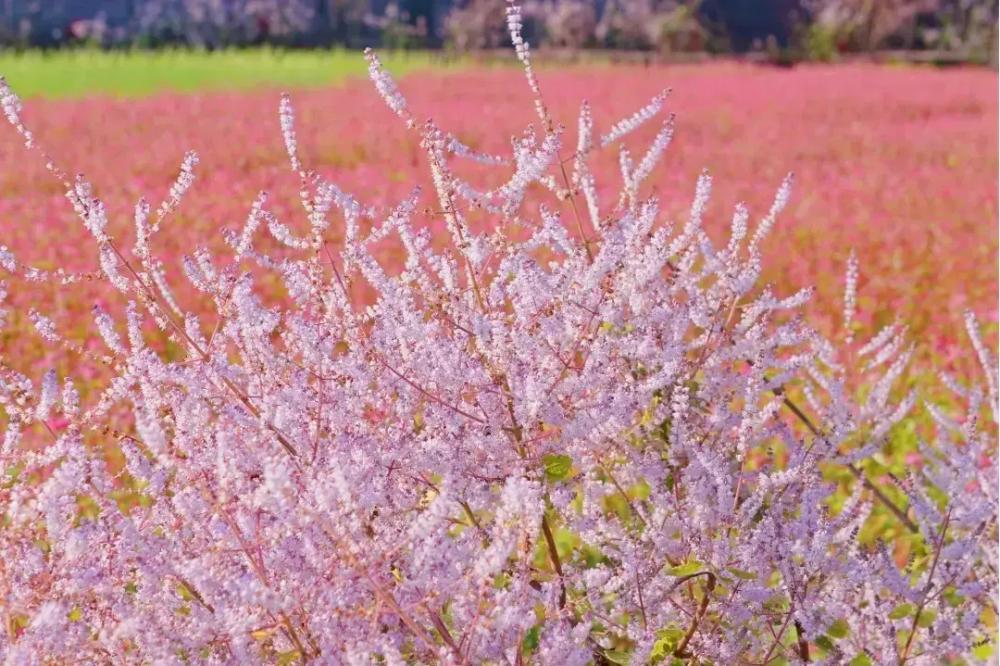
(922, 219)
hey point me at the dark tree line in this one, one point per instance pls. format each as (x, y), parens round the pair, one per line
(812, 28)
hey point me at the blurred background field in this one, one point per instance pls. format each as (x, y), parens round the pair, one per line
(897, 163)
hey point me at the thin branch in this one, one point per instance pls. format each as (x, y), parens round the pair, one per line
(855, 470)
(803, 644)
(556, 562)
(681, 650)
(927, 588)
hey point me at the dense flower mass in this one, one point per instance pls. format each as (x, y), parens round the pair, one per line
(569, 431)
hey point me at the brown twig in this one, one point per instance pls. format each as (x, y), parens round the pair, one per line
(642, 605)
(926, 596)
(681, 650)
(777, 637)
(556, 562)
(446, 636)
(803, 644)
(855, 470)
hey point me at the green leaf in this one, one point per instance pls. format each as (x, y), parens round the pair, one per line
(686, 569)
(184, 592)
(618, 505)
(557, 467)
(839, 629)
(861, 660)
(952, 596)
(777, 604)
(566, 542)
(667, 640)
(926, 618)
(286, 658)
(983, 652)
(501, 580)
(12, 473)
(825, 643)
(901, 611)
(639, 491)
(592, 556)
(740, 573)
(87, 508)
(618, 657)
(530, 642)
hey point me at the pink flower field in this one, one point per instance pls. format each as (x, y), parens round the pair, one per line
(898, 164)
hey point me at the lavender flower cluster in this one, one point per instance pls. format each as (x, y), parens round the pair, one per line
(583, 435)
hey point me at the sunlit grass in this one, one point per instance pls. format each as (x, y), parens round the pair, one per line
(76, 73)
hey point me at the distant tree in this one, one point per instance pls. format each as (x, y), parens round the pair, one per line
(482, 24)
(742, 24)
(866, 25)
(967, 26)
(570, 23)
(216, 23)
(478, 25)
(629, 24)
(399, 29)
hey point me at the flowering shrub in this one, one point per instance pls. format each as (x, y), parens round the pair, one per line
(618, 24)
(478, 25)
(570, 24)
(571, 433)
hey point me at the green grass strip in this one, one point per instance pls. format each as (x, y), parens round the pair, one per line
(76, 73)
